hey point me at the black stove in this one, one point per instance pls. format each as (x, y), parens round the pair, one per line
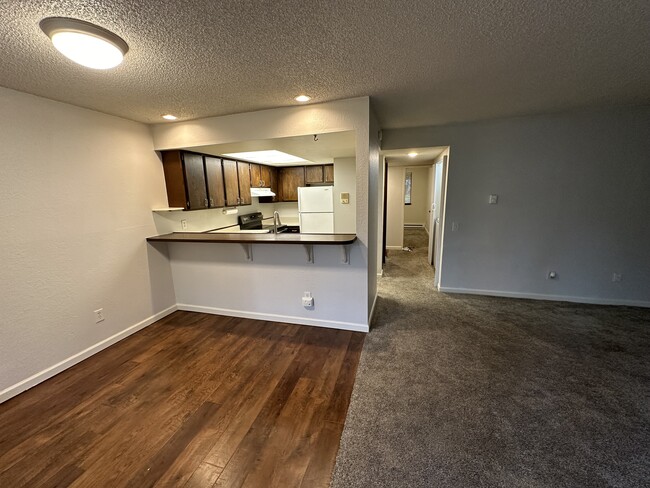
(252, 221)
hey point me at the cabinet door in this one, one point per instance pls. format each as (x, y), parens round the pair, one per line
(244, 183)
(231, 182)
(270, 180)
(328, 173)
(274, 183)
(256, 177)
(214, 177)
(313, 174)
(195, 181)
(174, 179)
(265, 176)
(290, 179)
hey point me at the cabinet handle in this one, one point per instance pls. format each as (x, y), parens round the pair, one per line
(211, 202)
(205, 202)
(187, 204)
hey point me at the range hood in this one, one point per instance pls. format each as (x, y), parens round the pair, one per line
(262, 192)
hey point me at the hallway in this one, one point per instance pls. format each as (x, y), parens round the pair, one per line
(474, 391)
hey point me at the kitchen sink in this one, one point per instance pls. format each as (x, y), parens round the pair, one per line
(236, 231)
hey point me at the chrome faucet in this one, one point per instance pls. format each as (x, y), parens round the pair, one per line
(276, 221)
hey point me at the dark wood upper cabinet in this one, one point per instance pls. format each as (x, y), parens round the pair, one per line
(214, 179)
(231, 182)
(313, 174)
(328, 173)
(260, 176)
(289, 180)
(244, 172)
(174, 179)
(270, 180)
(185, 180)
(195, 178)
(197, 181)
(319, 174)
(265, 175)
(256, 175)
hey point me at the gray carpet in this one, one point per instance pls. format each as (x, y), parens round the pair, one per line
(470, 391)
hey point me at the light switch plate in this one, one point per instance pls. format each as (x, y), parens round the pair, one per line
(494, 199)
(345, 198)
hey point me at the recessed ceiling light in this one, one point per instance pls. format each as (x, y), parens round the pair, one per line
(169, 117)
(302, 98)
(270, 157)
(85, 43)
(412, 154)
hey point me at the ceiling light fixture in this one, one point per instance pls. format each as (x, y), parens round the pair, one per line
(169, 117)
(85, 43)
(302, 98)
(271, 156)
(412, 154)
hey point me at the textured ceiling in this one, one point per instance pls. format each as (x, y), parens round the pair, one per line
(422, 62)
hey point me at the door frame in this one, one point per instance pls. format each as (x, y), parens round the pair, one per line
(440, 229)
(383, 246)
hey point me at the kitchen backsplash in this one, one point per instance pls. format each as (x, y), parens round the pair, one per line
(201, 220)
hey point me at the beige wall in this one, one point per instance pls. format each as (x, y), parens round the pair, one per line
(395, 208)
(417, 212)
(76, 193)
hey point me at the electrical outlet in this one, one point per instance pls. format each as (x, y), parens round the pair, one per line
(99, 315)
(345, 198)
(494, 199)
(307, 299)
(616, 277)
(184, 224)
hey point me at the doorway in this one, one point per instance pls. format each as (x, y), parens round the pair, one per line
(414, 205)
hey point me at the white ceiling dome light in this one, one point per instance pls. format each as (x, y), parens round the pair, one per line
(85, 43)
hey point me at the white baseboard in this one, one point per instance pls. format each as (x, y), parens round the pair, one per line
(331, 324)
(47, 373)
(395, 248)
(540, 296)
(414, 225)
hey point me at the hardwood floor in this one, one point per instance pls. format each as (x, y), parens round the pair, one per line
(193, 400)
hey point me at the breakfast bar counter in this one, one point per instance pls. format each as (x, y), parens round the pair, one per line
(267, 238)
(247, 240)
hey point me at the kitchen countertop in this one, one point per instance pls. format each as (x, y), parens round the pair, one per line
(268, 238)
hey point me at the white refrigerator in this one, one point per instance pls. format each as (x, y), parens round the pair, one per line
(316, 209)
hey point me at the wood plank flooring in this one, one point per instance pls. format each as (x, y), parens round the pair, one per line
(193, 400)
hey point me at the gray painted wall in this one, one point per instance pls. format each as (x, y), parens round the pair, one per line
(574, 197)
